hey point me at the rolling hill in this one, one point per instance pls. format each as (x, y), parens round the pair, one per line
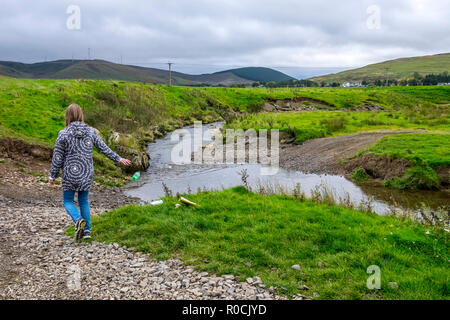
(397, 69)
(105, 70)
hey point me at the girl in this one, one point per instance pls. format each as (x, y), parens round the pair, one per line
(73, 154)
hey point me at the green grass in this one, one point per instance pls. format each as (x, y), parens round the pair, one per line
(35, 108)
(360, 174)
(429, 148)
(426, 152)
(234, 227)
(309, 125)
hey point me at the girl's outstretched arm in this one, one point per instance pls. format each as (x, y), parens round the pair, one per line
(59, 153)
(103, 148)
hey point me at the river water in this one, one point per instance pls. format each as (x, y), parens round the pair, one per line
(189, 178)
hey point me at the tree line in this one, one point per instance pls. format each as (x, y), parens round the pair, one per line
(416, 80)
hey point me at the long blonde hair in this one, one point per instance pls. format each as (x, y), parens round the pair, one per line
(74, 113)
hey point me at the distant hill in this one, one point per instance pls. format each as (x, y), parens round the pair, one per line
(397, 69)
(105, 70)
(258, 74)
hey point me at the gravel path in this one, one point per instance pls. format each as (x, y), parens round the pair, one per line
(38, 261)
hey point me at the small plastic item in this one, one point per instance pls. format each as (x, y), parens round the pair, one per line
(186, 201)
(157, 202)
(136, 176)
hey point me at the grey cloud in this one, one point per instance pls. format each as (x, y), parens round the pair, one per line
(209, 33)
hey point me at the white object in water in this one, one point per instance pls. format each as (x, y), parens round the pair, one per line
(157, 202)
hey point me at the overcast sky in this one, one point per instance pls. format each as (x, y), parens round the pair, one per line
(293, 36)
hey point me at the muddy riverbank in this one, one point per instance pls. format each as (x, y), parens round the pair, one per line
(324, 155)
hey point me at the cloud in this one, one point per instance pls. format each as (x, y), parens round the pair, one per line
(211, 34)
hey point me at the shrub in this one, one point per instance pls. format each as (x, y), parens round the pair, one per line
(418, 177)
(334, 124)
(360, 174)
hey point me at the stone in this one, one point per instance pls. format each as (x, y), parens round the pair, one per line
(393, 285)
(303, 287)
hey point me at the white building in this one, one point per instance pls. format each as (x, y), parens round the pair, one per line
(352, 84)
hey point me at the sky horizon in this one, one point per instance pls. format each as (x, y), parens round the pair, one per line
(299, 38)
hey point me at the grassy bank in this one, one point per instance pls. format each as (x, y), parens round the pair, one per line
(33, 110)
(242, 233)
(309, 125)
(427, 153)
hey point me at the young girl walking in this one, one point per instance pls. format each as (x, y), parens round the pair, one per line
(73, 154)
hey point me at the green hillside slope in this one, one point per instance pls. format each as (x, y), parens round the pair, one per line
(259, 74)
(397, 69)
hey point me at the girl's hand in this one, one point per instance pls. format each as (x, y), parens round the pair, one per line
(125, 162)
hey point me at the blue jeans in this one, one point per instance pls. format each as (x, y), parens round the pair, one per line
(83, 202)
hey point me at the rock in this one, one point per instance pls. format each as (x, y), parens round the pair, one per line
(137, 265)
(257, 280)
(140, 160)
(296, 267)
(393, 285)
(303, 287)
(268, 107)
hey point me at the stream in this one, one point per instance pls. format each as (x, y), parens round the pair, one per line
(189, 178)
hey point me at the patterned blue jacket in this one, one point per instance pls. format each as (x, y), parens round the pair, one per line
(73, 154)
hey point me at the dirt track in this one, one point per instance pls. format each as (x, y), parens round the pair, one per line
(323, 155)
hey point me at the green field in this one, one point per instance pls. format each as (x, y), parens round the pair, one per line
(35, 108)
(246, 234)
(310, 125)
(393, 69)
